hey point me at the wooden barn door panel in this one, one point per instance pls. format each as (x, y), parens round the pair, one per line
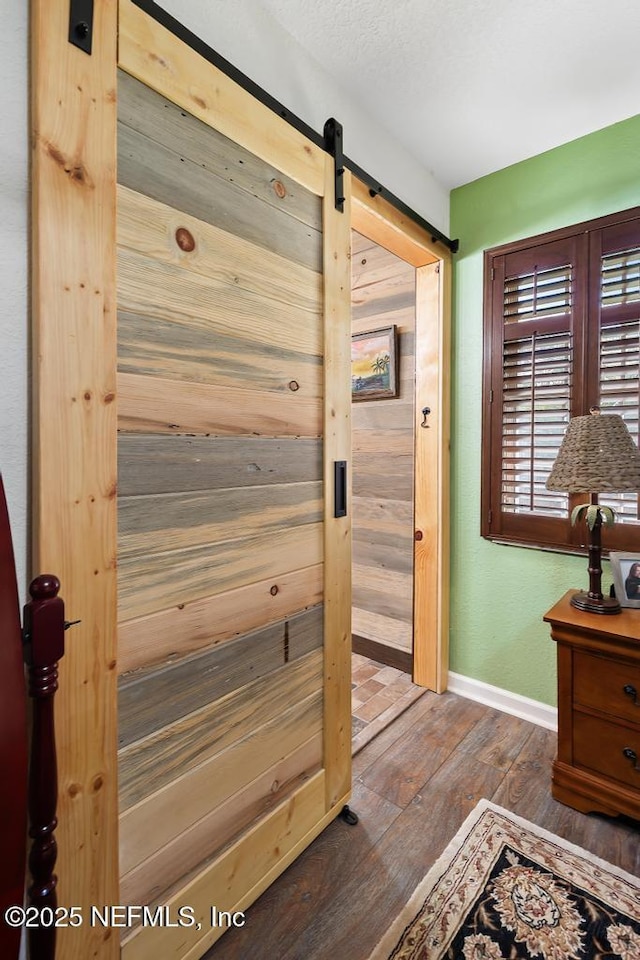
(233, 574)
(232, 389)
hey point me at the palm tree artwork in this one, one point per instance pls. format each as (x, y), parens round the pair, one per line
(373, 364)
(381, 364)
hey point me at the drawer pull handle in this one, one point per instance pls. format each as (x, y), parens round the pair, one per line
(633, 756)
(631, 691)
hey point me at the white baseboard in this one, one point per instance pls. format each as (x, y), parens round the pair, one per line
(525, 708)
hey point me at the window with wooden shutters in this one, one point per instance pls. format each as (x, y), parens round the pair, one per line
(562, 334)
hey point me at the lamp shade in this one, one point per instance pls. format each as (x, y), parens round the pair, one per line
(597, 454)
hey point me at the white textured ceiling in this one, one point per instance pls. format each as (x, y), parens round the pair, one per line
(471, 86)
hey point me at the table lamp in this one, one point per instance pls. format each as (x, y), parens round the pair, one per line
(597, 455)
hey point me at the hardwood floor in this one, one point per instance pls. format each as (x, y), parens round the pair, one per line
(413, 786)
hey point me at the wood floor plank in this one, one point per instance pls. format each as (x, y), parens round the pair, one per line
(401, 772)
(413, 717)
(525, 790)
(349, 920)
(527, 784)
(320, 911)
(497, 739)
(302, 892)
(392, 870)
(389, 874)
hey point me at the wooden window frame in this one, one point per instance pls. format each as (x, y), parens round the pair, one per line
(584, 243)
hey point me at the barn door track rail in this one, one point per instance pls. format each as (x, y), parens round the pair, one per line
(330, 140)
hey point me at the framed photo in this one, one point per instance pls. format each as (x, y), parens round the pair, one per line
(374, 364)
(626, 578)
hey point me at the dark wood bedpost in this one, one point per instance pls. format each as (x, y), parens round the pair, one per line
(13, 742)
(44, 627)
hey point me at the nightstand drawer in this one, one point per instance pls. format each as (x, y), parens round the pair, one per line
(600, 746)
(601, 684)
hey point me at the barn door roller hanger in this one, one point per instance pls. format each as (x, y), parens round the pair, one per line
(333, 145)
(81, 24)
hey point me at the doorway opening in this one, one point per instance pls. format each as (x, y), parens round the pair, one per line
(383, 298)
(400, 451)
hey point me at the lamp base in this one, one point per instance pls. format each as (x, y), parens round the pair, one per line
(582, 601)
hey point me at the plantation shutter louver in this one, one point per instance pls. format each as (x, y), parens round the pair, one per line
(619, 374)
(536, 392)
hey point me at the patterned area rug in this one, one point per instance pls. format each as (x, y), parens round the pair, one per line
(504, 889)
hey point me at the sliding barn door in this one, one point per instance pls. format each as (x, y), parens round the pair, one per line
(233, 593)
(203, 718)
(233, 576)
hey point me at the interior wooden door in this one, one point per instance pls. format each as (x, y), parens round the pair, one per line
(230, 366)
(234, 723)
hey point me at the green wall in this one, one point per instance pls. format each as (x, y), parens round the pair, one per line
(499, 593)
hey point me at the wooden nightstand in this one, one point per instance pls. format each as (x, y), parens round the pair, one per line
(598, 763)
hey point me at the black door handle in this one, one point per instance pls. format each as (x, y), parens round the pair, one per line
(340, 488)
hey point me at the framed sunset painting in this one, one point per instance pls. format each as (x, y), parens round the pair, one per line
(374, 364)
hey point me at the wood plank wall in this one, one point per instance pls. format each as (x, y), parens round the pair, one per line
(220, 535)
(383, 293)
